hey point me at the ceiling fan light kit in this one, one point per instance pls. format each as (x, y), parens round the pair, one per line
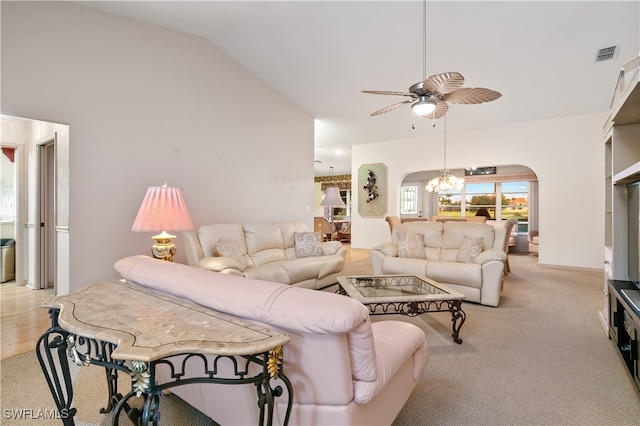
(423, 107)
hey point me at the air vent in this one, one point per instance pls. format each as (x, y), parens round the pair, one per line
(606, 53)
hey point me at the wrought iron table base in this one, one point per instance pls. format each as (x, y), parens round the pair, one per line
(56, 346)
(412, 309)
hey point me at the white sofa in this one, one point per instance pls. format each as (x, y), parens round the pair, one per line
(467, 257)
(282, 252)
(344, 370)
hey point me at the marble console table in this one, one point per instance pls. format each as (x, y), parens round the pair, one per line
(132, 329)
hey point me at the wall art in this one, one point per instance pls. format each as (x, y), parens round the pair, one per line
(372, 190)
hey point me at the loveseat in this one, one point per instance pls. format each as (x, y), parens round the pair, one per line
(467, 257)
(282, 252)
(533, 240)
(344, 370)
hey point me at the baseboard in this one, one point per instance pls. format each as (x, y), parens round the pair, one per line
(571, 268)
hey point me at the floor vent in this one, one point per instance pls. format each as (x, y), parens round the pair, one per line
(606, 53)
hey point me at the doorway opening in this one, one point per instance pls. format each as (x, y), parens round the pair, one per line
(41, 196)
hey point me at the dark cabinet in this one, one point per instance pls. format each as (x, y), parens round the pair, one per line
(624, 324)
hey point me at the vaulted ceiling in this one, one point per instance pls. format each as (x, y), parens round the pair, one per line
(540, 55)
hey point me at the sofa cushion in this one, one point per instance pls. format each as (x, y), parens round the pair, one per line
(410, 244)
(308, 244)
(432, 232)
(331, 264)
(273, 272)
(268, 256)
(404, 265)
(263, 236)
(288, 229)
(209, 235)
(234, 249)
(300, 270)
(469, 249)
(454, 232)
(466, 274)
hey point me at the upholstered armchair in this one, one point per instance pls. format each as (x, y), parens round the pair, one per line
(533, 242)
(328, 230)
(345, 234)
(393, 221)
(509, 224)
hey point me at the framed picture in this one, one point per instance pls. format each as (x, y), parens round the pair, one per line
(372, 190)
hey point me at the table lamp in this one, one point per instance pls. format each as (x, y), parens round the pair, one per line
(163, 209)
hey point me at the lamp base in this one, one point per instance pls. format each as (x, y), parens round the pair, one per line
(163, 249)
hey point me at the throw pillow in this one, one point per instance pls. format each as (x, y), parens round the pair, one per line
(469, 249)
(308, 244)
(410, 245)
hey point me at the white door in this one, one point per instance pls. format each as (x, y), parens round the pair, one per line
(411, 200)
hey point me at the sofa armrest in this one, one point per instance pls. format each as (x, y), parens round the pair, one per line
(396, 343)
(331, 247)
(387, 249)
(379, 253)
(192, 247)
(489, 255)
(220, 264)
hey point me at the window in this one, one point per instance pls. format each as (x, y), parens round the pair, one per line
(478, 196)
(504, 200)
(409, 200)
(515, 203)
(450, 204)
(343, 212)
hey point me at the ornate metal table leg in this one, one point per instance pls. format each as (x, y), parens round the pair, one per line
(54, 340)
(266, 394)
(457, 318)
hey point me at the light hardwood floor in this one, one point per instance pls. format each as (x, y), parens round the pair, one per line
(23, 321)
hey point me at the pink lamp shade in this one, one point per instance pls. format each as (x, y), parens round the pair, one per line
(163, 209)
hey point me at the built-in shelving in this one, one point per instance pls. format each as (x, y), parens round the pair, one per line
(620, 315)
(622, 167)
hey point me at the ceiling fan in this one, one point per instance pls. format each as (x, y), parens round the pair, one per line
(430, 98)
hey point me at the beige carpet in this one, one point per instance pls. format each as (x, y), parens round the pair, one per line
(540, 358)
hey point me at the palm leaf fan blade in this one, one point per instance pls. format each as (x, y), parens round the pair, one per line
(471, 95)
(391, 107)
(443, 83)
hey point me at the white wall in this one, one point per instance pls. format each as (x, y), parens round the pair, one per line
(147, 105)
(567, 154)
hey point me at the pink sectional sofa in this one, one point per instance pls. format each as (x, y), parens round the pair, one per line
(344, 369)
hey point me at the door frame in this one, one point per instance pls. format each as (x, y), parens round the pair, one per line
(45, 235)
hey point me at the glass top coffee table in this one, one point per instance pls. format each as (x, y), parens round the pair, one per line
(410, 295)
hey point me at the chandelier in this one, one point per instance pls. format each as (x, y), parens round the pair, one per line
(445, 182)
